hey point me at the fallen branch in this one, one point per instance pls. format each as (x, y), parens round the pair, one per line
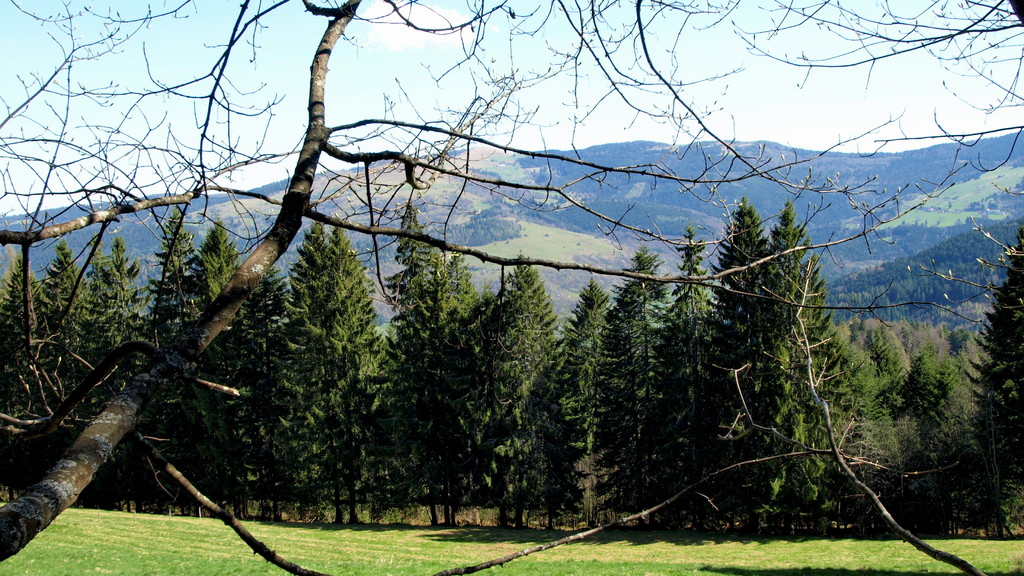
(643, 515)
(813, 378)
(225, 516)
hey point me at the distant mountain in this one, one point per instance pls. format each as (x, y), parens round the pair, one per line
(969, 186)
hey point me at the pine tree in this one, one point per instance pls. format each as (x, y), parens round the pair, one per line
(61, 321)
(61, 290)
(26, 390)
(798, 332)
(332, 368)
(214, 262)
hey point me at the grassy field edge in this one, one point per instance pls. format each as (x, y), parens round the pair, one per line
(103, 542)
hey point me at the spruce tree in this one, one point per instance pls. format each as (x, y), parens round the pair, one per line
(214, 416)
(433, 375)
(116, 302)
(172, 287)
(694, 403)
(524, 427)
(331, 371)
(737, 342)
(630, 432)
(252, 361)
(581, 349)
(758, 335)
(1002, 378)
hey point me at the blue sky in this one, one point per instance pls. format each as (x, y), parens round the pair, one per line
(388, 69)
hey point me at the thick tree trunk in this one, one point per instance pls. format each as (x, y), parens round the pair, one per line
(26, 516)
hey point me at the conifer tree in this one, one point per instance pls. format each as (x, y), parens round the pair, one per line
(581, 349)
(252, 363)
(928, 384)
(757, 333)
(61, 289)
(795, 287)
(115, 307)
(172, 288)
(213, 417)
(433, 376)
(116, 303)
(890, 367)
(737, 342)
(524, 425)
(214, 261)
(630, 430)
(1002, 377)
(24, 391)
(695, 403)
(331, 370)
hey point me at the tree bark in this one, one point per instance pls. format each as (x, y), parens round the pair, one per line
(29, 514)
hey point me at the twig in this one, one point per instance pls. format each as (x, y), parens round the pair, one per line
(226, 517)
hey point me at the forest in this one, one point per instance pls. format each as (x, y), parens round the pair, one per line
(708, 382)
(479, 405)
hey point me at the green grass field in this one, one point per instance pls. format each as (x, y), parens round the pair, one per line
(98, 542)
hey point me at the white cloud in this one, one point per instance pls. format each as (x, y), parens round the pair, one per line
(390, 31)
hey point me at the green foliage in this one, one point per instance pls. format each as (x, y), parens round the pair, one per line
(632, 402)
(331, 371)
(432, 398)
(478, 401)
(1002, 377)
(524, 427)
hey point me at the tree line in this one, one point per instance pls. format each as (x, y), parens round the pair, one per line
(478, 401)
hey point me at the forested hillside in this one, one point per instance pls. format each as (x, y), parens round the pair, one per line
(946, 284)
(482, 405)
(942, 236)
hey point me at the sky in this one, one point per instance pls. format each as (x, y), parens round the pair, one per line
(385, 69)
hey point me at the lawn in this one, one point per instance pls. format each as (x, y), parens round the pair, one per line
(99, 542)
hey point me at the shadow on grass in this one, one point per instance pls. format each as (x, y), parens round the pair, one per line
(531, 536)
(734, 571)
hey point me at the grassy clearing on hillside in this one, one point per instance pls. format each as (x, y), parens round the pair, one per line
(99, 542)
(971, 199)
(555, 244)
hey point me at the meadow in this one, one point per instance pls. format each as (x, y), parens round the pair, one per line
(101, 542)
